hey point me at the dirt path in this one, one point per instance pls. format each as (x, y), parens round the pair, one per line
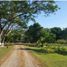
(20, 56)
(29, 60)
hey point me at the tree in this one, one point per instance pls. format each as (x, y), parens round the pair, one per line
(64, 34)
(33, 33)
(18, 13)
(51, 38)
(57, 31)
(46, 37)
(39, 35)
(15, 36)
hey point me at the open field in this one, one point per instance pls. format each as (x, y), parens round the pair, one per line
(49, 59)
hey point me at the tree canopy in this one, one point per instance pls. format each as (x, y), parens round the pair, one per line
(57, 31)
(33, 33)
(15, 14)
(19, 12)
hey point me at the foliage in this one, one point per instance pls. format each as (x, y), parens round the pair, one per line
(46, 36)
(61, 50)
(50, 38)
(20, 12)
(36, 33)
(61, 41)
(33, 33)
(15, 36)
(57, 31)
(64, 34)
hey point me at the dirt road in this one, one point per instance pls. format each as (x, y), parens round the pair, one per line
(29, 60)
(20, 56)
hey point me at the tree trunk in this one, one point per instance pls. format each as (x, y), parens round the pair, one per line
(1, 33)
(1, 40)
(0, 25)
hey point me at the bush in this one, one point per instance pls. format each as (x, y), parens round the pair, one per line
(48, 49)
(61, 50)
(61, 41)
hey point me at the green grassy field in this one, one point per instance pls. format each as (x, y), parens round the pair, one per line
(4, 51)
(50, 59)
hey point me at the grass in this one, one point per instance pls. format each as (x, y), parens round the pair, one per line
(49, 59)
(4, 51)
(53, 60)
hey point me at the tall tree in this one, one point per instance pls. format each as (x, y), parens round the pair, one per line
(64, 34)
(20, 12)
(57, 31)
(46, 37)
(33, 33)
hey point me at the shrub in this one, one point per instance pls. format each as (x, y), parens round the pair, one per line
(61, 50)
(61, 41)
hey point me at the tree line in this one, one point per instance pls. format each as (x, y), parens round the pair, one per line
(37, 34)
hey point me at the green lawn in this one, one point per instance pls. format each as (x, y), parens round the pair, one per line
(50, 59)
(4, 51)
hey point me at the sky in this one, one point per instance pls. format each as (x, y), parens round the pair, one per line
(59, 19)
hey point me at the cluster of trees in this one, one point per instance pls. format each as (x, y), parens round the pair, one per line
(37, 34)
(15, 36)
(15, 14)
(60, 34)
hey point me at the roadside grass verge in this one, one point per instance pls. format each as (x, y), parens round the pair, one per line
(49, 59)
(4, 51)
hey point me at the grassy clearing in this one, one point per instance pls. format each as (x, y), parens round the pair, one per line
(49, 59)
(4, 51)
